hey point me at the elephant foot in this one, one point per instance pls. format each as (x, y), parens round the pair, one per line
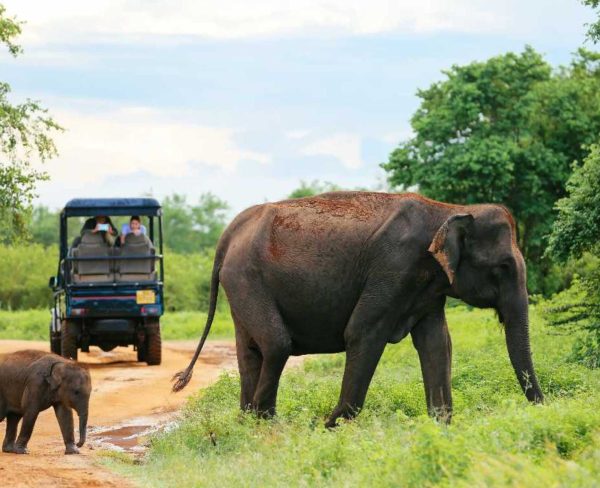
(19, 450)
(8, 448)
(346, 412)
(71, 449)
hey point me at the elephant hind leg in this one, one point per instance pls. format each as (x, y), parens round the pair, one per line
(264, 346)
(12, 423)
(249, 364)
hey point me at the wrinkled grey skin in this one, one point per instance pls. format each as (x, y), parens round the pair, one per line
(354, 271)
(33, 381)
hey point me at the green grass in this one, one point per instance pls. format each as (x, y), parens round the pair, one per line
(496, 438)
(33, 325)
(28, 325)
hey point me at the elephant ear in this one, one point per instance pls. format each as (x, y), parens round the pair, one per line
(54, 378)
(447, 243)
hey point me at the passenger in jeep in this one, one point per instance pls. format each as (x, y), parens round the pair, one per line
(98, 224)
(134, 227)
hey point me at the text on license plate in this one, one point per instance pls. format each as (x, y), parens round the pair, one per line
(143, 297)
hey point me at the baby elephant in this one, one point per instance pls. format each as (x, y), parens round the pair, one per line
(32, 381)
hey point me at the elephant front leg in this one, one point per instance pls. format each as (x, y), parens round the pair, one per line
(64, 415)
(362, 357)
(29, 419)
(431, 339)
(12, 422)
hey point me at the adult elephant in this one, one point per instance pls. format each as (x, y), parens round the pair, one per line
(353, 271)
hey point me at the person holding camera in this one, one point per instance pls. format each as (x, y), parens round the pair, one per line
(101, 224)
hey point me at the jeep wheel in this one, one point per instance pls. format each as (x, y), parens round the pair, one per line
(68, 340)
(153, 352)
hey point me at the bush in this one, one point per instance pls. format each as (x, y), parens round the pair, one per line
(26, 268)
(33, 325)
(25, 271)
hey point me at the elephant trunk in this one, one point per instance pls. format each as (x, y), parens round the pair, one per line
(516, 320)
(83, 419)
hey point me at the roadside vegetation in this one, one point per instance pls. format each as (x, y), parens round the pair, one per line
(32, 325)
(496, 438)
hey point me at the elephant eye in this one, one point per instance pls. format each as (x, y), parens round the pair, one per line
(76, 392)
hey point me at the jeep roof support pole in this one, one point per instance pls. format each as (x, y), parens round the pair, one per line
(62, 252)
(160, 244)
(151, 228)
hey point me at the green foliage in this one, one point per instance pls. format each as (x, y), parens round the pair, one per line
(308, 189)
(187, 281)
(25, 271)
(504, 131)
(10, 28)
(593, 32)
(577, 227)
(496, 438)
(577, 311)
(576, 231)
(32, 325)
(43, 226)
(193, 228)
(25, 134)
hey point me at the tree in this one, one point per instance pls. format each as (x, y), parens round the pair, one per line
(43, 226)
(504, 131)
(25, 134)
(575, 232)
(193, 228)
(593, 32)
(308, 189)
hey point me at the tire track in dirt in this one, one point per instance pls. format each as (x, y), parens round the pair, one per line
(128, 398)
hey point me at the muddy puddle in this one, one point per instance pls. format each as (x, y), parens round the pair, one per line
(132, 436)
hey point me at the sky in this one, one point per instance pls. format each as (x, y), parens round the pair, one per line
(248, 99)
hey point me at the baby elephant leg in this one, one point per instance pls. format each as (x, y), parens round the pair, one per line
(12, 422)
(64, 415)
(27, 425)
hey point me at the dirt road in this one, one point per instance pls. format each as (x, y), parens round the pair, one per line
(128, 401)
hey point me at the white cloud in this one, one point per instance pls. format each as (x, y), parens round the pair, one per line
(99, 143)
(297, 134)
(344, 147)
(61, 20)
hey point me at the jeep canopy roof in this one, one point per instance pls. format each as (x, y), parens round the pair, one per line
(91, 207)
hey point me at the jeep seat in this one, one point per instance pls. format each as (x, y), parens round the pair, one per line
(92, 245)
(136, 269)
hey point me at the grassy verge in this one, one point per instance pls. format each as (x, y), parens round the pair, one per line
(33, 325)
(496, 438)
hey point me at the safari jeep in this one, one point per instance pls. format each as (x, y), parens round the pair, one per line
(106, 293)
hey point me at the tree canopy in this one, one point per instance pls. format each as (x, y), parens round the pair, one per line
(308, 189)
(505, 130)
(25, 135)
(575, 232)
(577, 227)
(593, 32)
(190, 228)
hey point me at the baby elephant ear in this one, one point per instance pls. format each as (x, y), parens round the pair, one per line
(447, 243)
(54, 379)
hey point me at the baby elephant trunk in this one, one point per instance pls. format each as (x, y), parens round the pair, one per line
(83, 419)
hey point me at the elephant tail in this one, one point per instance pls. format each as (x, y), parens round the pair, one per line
(182, 378)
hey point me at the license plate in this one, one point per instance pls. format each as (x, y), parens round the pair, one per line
(144, 297)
